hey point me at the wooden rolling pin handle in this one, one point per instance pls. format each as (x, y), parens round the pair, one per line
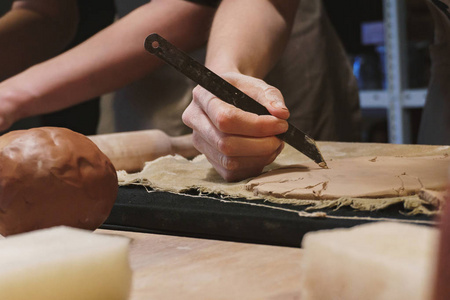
(182, 145)
(130, 150)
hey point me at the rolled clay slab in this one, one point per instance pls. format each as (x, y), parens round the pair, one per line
(369, 177)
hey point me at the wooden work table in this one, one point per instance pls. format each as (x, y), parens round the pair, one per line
(174, 267)
(171, 267)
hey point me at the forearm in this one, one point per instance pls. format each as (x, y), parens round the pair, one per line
(110, 59)
(33, 31)
(248, 36)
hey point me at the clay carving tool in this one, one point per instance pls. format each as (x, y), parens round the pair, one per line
(215, 84)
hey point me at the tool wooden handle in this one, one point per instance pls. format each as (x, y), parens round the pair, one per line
(130, 150)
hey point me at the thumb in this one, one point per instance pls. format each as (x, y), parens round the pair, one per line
(273, 100)
(267, 95)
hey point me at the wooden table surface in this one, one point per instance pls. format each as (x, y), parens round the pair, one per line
(171, 267)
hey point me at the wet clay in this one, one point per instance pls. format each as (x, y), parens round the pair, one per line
(53, 176)
(370, 177)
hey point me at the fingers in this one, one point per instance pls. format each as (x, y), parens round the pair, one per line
(235, 168)
(234, 137)
(230, 144)
(229, 119)
(7, 113)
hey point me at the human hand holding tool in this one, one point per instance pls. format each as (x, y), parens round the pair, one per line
(158, 46)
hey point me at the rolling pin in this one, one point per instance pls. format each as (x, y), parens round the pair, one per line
(130, 150)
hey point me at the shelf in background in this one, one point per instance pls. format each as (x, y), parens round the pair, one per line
(413, 98)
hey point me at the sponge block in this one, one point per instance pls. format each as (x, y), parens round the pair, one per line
(383, 260)
(64, 263)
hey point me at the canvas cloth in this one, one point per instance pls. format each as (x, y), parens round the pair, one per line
(177, 174)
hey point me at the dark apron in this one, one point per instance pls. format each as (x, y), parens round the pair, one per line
(316, 79)
(435, 123)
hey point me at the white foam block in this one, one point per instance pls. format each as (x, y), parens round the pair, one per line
(64, 263)
(382, 260)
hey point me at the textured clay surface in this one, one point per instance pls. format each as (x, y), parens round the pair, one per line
(371, 177)
(53, 176)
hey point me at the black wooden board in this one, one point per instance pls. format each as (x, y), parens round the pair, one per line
(211, 216)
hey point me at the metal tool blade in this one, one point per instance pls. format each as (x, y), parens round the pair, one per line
(215, 84)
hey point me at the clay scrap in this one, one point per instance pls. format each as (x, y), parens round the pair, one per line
(435, 198)
(359, 177)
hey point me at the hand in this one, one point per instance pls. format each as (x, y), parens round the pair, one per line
(8, 110)
(16, 102)
(237, 143)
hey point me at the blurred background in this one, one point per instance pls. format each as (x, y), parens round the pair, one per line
(387, 44)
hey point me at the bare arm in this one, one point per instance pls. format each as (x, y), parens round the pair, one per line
(107, 61)
(33, 31)
(249, 36)
(246, 40)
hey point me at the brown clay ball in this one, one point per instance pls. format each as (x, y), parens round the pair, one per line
(53, 176)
